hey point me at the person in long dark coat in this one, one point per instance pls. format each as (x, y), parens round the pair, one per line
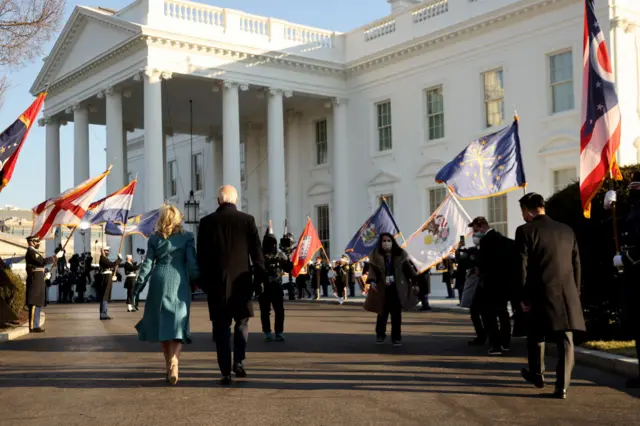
(319, 273)
(107, 268)
(130, 272)
(36, 286)
(228, 244)
(550, 290)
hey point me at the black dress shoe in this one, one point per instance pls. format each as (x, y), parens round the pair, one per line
(226, 381)
(536, 379)
(239, 371)
(37, 330)
(107, 318)
(560, 394)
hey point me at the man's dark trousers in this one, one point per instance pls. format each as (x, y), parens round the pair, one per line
(564, 345)
(222, 337)
(272, 296)
(497, 324)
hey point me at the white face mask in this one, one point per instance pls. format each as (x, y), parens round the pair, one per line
(386, 246)
(476, 241)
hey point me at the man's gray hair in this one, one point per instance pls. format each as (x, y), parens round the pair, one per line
(227, 194)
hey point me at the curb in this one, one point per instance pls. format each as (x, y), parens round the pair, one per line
(21, 330)
(358, 302)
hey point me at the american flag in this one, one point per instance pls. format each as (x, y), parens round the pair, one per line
(601, 121)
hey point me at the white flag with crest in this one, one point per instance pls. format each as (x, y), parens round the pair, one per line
(439, 236)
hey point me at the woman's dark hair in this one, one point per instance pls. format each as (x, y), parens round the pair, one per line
(395, 248)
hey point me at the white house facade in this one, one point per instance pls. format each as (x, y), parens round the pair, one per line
(310, 122)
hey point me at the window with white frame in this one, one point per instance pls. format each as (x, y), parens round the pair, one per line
(389, 199)
(383, 113)
(494, 98)
(561, 73)
(197, 182)
(172, 180)
(321, 142)
(435, 113)
(243, 162)
(436, 197)
(322, 219)
(497, 213)
(563, 178)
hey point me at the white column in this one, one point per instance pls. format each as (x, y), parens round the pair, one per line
(340, 159)
(52, 168)
(276, 160)
(153, 162)
(216, 158)
(231, 137)
(115, 149)
(81, 164)
(294, 178)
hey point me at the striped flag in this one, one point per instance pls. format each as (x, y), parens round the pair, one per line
(601, 120)
(112, 208)
(67, 209)
(308, 245)
(13, 137)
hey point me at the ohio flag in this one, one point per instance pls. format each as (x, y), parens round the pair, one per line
(601, 121)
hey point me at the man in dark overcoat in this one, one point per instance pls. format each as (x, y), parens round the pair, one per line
(549, 289)
(228, 244)
(36, 286)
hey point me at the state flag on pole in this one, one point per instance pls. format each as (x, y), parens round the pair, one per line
(601, 118)
(13, 137)
(67, 209)
(439, 236)
(112, 208)
(143, 224)
(308, 244)
(366, 239)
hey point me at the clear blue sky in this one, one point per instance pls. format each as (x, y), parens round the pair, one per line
(27, 188)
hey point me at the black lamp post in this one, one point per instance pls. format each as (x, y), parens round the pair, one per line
(191, 206)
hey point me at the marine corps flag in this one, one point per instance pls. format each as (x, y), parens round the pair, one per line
(13, 137)
(308, 244)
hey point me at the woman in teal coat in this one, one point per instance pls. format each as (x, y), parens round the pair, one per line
(170, 265)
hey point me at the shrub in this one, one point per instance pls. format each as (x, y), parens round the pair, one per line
(13, 292)
(603, 291)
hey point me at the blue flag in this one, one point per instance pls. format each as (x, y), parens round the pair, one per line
(489, 166)
(366, 239)
(143, 224)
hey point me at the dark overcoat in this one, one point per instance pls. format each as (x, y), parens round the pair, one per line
(496, 262)
(550, 278)
(404, 274)
(36, 286)
(228, 244)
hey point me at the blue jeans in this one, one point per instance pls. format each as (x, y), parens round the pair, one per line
(222, 337)
(104, 309)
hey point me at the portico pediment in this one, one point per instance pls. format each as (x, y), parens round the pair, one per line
(88, 34)
(430, 169)
(319, 188)
(383, 178)
(560, 145)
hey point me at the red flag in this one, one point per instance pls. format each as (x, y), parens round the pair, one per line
(13, 137)
(308, 244)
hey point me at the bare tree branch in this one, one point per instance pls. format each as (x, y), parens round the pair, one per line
(25, 26)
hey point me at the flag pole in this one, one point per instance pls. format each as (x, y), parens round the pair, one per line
(614, 216)
(55, 262)
(124, 232)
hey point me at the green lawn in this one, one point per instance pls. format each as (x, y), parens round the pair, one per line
(627, 348)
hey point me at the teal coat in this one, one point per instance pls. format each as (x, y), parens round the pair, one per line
(170, 265)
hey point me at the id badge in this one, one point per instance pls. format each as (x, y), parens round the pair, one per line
(390, 279)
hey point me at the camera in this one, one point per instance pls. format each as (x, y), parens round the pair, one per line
(140, 251)
(468, 257)
(287, 243)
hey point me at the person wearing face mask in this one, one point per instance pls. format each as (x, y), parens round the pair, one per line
(629, 261)
(391, 276)
(36, 287)
(549, 288)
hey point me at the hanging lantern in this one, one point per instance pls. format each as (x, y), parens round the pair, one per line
(191, 210)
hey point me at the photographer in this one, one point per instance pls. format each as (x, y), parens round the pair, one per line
(287, 245)
(467, 259)
(272, 294)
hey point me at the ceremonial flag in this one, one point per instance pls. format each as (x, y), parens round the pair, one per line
(308, 244)
(112, 208)
(13, 137)
(601, 120)
(143, 224)
(439, 236)
(365, 240)
(489, 166)
(67, 209)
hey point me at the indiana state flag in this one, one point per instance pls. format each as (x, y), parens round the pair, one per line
(112, 208)
(489, 166)
(143, 224)
(366, 239)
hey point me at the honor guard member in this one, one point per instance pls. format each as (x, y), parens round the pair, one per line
(272, 294)
(107, 269)
(36, 286)
(130, 269)
(629, 260)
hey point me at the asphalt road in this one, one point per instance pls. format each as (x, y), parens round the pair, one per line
(328, 372)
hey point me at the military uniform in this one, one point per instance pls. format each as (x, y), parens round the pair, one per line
(36, 286)
(130, 269)
(107, 268)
